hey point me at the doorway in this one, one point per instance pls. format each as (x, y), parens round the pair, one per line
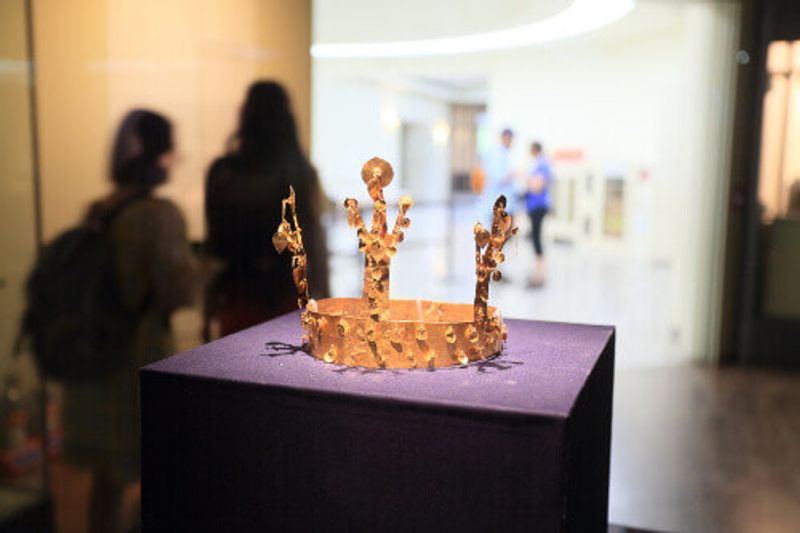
(763, 296)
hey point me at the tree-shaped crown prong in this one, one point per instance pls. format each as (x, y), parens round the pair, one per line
(376, 243)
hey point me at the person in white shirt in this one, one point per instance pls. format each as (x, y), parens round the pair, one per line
(500, 178)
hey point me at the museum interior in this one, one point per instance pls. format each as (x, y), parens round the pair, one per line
(648, 152)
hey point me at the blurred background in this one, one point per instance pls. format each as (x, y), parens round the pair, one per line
(672, 129)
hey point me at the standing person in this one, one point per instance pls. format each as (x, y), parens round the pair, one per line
(793, 209)
(243, 208)
(499, 178)
(537, 202)
(153, 272)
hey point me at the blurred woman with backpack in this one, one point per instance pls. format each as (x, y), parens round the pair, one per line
(243, 208)
(153, 273)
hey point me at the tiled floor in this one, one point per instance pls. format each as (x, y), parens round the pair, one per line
(706, 450)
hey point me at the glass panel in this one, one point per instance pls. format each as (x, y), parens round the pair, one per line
(779, 192)
(96, 60)
(20, 395)
(636, 140)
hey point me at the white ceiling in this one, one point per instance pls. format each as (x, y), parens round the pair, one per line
(464, 77)
(352, 21)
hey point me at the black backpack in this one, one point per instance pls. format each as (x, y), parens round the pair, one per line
(75, 319)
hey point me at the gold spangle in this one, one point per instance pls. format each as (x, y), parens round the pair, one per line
(353, 216)
(421, 333)
(395, 333)
(307, 339)
(461, 357)
(472, 334)
(280, 240)
(481, 235)
(330, 355)
(377, 172)
(377, 356)
(450, 335)
(379, 315)
(342, 327)
(412, 362)
(430, 359)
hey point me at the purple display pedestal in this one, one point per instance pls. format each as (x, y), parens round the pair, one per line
(239, 436)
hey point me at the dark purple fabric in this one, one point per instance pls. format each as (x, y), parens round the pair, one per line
(540, 372)
(247, 433)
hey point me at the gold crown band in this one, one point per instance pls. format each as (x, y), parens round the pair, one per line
(420, 334)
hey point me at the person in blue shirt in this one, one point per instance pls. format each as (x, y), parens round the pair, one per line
(500, 175)
(537, 202)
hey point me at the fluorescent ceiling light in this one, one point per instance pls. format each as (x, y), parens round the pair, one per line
(581, 16)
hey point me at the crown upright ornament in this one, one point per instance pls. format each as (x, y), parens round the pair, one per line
(377, 332)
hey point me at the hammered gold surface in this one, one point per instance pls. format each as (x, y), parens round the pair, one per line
(377, 332)
(290, 238)
(340, 331)
(377, 244)
(489, 255)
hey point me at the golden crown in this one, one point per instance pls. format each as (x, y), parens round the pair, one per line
(376, 332)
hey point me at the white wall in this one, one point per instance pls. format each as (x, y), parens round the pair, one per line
(355, 119)
(619, 103)
(658, 103)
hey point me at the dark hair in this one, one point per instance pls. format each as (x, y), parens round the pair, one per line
(142, 137)
(507, 132)
(536, 145)
(267, 130)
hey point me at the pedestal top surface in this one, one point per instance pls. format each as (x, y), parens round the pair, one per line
(540, 372)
